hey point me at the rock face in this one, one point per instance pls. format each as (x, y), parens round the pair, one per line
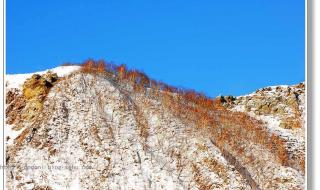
(282, 109)
(94, 132)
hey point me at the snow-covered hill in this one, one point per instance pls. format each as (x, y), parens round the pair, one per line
(96, 130)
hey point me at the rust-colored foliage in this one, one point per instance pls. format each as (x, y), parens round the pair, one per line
(229, 129)
(88, 66)
(122, 71)
(91, 66)
(201, 181)
(132, 76)
(101, 66)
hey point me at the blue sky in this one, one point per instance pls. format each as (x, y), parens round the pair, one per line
(216, 47)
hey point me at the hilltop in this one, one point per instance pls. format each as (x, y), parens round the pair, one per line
(102, 126)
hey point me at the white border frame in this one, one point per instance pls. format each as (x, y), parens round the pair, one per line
(2, 70)
(312, 56)
(314, 116)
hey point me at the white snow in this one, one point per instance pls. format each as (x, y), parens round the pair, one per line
(294, 138)
(17, 80)
(75, 185)
(273, 121)
(93, 123)
(12, 134)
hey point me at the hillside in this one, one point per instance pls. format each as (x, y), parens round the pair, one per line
(101, 126)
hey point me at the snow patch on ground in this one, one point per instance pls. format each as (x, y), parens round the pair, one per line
(75, 185)
(17, 80)
(11, 134)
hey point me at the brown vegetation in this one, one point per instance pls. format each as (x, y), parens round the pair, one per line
(201, 181)
(231, 130)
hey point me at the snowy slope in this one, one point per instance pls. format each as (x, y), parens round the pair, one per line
(94, 134)
(284, 103)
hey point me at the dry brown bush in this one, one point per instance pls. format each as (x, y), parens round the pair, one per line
(88, 66)
(201, 181)
(122, 71)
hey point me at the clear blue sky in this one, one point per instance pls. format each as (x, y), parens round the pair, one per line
(216, 47)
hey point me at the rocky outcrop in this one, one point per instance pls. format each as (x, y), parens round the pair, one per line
(24, 105)
(15, 102)
(282, 109)
(285, 102)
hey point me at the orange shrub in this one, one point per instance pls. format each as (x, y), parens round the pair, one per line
(122, 71)
(88, 66)
(101, 66)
